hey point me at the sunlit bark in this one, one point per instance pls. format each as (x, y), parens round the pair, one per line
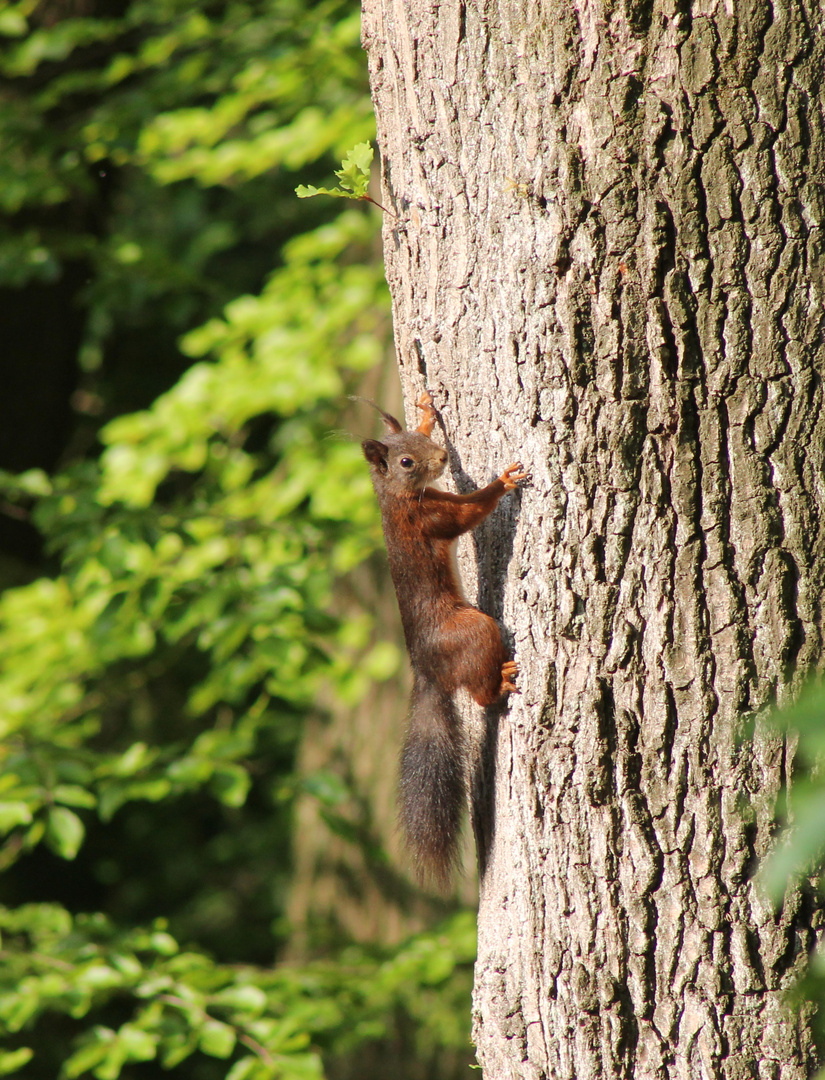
(607, 262)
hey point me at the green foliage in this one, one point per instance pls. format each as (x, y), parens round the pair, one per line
(150, 146)
(175, 1003)
(354, 176)
(236, 566)
(798, 860)
(157, 667)
(801, 849)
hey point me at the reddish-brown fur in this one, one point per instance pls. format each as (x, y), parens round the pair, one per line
(451, 643)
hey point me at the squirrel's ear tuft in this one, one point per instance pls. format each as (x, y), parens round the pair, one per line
(390, 423)
(376, 453)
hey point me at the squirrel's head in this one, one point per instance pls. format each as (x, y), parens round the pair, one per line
(405, 458)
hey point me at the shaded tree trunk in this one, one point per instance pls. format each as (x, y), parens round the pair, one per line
(608, 263)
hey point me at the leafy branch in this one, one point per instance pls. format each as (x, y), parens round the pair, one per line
(354, 177)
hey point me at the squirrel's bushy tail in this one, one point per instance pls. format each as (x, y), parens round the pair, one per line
(432, 784)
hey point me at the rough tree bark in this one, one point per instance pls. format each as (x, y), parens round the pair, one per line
(608, 262)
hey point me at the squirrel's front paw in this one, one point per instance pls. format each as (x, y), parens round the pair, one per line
(425, 403)
(512, 475)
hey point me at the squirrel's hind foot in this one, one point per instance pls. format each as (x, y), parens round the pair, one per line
(509, 671)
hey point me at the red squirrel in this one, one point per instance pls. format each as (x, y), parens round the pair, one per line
(451, 643)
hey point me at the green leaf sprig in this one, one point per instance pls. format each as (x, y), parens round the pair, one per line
(354, 177)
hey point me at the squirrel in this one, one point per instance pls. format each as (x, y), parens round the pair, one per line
(451, 644)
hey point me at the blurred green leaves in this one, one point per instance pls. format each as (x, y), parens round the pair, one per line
(796, 865)
(801, 848)
(157, 668)
(274, 358)
(150, 147)
(176, 1003)
(235, 564)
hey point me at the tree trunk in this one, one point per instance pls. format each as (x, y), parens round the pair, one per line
(607, 262)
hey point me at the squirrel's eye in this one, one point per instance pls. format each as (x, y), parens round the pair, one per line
(407, 463)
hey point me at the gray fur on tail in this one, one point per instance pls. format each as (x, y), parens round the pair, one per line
(433, 785)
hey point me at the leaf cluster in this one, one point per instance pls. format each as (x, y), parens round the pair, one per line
(149, 146)
(233, 569)
(167, 1003)
(158, 665)
(802, 846)
(353, 176)
(797, 861)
